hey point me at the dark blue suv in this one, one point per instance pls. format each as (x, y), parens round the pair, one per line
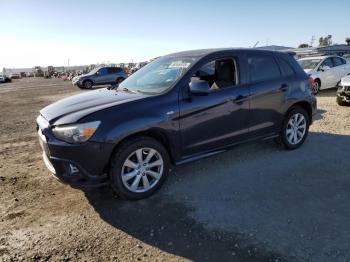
(179, 108)
(100, 76)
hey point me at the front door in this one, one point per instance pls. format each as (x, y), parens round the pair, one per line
(101, 76)
(219, 118)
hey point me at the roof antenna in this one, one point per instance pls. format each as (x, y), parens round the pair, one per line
(256, 44)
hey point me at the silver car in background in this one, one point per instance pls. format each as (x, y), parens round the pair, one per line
(326, 71)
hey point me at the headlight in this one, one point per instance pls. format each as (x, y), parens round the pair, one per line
(76, 133)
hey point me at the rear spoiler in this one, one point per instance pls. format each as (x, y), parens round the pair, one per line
(291, 53)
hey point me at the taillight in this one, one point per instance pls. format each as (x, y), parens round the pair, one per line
(311, 82)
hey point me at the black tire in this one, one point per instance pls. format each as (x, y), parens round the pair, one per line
(87, 84)
(119, 80)
(121, 155)
(283, 136)
(341, 102)
(316, 87)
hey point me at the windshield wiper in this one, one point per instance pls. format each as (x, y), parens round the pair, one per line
(127, 90)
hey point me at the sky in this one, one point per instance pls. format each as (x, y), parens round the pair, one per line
(78, 32)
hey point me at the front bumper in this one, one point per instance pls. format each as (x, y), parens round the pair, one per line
(81, 165)
(344, 93)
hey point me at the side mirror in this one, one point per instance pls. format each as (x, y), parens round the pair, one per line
(324, 68)
(199, 87)
(97, 73)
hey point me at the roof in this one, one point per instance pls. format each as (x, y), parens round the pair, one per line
(204, 52)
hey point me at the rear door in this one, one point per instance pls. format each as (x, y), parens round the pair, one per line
(328, 76)
(268, 92)
(339, 67)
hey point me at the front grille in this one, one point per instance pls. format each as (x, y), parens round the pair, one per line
(347, 88)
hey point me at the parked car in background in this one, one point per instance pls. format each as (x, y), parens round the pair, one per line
(138, 66)
(343, 93)
(2, 79)
(326, 71)
(15, 76)
(346, 56)
(179, 108)
(100, 76)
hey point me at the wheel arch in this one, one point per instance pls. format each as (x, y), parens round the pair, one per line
(305, 105)
(157, 134)
(317, 79)
(85, 80)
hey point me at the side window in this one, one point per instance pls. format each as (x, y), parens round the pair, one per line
(337, 61)
(219, 74)
(327, 62)
(263, 68)
(103, 71)
(286, 67)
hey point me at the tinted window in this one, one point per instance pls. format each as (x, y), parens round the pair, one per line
(103, 71)
(327, 62)
(286, 67)
(262, 68)
(219, 74)
(113, 70)
(338, 61)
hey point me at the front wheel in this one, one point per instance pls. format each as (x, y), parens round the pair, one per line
(295, 128)
(88, 84)
(341, 102)
(139, 167)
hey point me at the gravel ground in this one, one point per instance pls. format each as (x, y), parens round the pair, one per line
(256, 202)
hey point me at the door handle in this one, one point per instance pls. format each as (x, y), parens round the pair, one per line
(284, 87)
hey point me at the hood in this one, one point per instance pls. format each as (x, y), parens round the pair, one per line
(345, 81)
(73, 108)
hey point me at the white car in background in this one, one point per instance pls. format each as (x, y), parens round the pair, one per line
(326, 71)
(2, 79)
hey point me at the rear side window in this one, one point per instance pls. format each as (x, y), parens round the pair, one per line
(337, 61)
(112, 70)
(286, 67)
(263, 68)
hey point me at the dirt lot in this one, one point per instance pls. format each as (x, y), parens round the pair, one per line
(254, 203)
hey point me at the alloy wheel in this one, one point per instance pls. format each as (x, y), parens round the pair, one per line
(296, 128)
(316, 87)
(142, 170)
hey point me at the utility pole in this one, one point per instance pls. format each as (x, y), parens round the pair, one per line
(312, 40)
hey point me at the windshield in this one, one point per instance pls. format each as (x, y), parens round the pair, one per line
(93, 71)
(159, 75)
(309, 63)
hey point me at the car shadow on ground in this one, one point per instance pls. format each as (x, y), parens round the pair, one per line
(319, 114)
(330, 92)
(256, 202)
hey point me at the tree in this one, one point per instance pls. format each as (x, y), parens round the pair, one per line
(347, 40)
(303, 45)
(325, 41)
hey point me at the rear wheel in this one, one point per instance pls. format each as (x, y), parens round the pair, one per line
(139, 167)
(295, 128)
